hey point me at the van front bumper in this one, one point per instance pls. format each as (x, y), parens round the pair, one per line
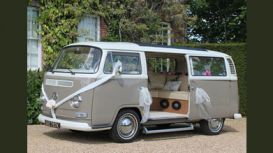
(70, 124)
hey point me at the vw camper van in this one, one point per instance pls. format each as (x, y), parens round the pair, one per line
(128, 88)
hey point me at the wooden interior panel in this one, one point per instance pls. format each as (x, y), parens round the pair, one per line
(183, 110)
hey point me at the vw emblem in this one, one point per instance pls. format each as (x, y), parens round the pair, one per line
(54, 95)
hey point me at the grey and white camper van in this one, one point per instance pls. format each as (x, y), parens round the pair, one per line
(127, 88)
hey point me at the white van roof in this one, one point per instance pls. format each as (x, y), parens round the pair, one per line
(123, 46)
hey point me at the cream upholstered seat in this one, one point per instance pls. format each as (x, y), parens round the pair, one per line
(157, 82)
(181, 95)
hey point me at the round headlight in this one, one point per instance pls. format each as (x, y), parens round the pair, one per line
(75, 101)
(77, 98)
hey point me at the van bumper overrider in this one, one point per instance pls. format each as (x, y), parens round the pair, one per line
(237, 116)
(70, 124)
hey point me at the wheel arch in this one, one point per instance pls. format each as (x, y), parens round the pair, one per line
(137, 109)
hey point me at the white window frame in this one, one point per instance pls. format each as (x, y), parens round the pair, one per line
(97, 26)
(39, 47)
(165, 26)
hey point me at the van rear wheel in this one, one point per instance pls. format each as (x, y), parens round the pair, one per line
(212, 126)
(126, 126)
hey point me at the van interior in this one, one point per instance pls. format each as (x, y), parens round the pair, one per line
(168, 85)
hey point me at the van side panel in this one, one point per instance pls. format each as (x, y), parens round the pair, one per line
(223, 96)
(113, 95)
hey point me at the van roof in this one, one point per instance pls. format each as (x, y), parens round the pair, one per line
(123, 46)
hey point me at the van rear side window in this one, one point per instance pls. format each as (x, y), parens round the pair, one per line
(231, 66)
(131, 63)
(208, 66)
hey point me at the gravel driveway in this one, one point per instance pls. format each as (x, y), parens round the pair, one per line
(42, 139)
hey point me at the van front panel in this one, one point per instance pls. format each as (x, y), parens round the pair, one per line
(58, 92)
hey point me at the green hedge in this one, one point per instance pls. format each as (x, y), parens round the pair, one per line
(34, 82)
(238, 53)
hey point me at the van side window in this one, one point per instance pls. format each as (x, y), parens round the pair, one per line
(208, 66)
(131, 63)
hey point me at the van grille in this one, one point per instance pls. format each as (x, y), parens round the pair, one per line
(61, 83)
(231, 66)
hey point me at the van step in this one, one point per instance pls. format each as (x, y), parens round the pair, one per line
(149, 130)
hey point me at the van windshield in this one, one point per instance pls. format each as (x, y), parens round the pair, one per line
(80, 59)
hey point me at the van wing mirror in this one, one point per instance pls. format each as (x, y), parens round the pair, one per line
(117, 68)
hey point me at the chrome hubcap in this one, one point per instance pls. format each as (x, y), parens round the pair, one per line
(127, 126)
(215, 125)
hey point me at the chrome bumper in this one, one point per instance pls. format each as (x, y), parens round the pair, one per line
(70, 124)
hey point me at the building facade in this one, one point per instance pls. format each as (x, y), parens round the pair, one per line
(90, 28)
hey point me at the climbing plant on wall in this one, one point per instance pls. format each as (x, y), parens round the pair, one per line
(59, 20)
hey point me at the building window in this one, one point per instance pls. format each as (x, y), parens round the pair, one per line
(160, 65)
(33, 40)
(89, 29)
(163, 35)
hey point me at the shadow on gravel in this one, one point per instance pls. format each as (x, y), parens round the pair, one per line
(102, 137)
(229, 129)
(167, 136)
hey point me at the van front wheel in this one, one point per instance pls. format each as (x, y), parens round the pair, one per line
(212, 126)
(126, 126)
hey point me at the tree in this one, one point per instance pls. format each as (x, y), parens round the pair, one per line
(140, 20)
(217, 20)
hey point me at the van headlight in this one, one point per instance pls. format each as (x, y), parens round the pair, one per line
(77, 98)
(75, 101)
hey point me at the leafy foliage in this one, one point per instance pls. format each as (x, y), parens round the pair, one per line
(238, 53)
(127, 20)
(218, 20)
(59, 20)
(34, 81)
(140, 21)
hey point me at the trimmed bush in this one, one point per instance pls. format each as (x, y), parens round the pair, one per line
(34, 82)
(238, 53)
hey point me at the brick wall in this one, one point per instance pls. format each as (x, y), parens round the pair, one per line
(103, 29)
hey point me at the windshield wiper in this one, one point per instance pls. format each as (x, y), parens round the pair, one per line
(72, 72)
(51, 70)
